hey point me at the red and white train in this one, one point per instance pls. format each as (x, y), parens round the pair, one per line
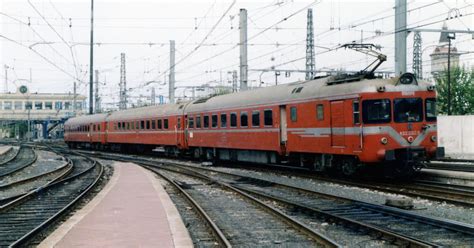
(326, 123)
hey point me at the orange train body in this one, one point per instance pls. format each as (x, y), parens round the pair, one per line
(317, 124)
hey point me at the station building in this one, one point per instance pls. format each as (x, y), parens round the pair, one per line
(43, 112)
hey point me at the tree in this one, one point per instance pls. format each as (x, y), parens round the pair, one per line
(462, 91)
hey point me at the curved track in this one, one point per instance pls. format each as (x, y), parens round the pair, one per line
(25, 157)
(23, 218)
(406, 227)
(251, 221)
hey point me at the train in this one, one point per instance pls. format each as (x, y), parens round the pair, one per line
(330, 123)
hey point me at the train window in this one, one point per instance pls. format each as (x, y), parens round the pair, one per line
(214, 120)
(160, 126)
(137, 125)
(148, 124)
(244, 122)
(98, 127)
(256, 118)
(206, 121)
(430, 109)
(233, 119)
(142, 125)
(356, 112)
(320, 112)
(153, 124)
(293, 113)
(376, 111)
(408, 109)
(119, 125)
(268, 117)
(93, 127)
(165, 123)
(179, 123)
(191, 122)
(224, 120)
(198, 121)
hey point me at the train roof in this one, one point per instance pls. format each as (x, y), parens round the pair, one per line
(148, 112)
(87, 119)
(319, 88)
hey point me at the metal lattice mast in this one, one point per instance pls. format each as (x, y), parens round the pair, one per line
(123, 83)
(96, 93)
(310, 63)
(417, 60)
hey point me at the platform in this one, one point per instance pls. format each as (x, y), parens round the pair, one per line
(4, 149)
(133, 210)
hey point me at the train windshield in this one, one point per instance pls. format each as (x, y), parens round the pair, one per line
(430, 109)
(408, 109)
(376, 111)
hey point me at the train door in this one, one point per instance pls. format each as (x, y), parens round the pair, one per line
(185, 131)
(90, 132)
(283, 125)
(103, 132)
(178, 129)
(337, 123)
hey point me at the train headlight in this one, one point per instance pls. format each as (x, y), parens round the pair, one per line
(410, 139)
(384, 140)
(433, 138)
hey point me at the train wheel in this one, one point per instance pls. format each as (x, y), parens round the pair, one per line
(348, 167)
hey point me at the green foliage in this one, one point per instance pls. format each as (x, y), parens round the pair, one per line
(462, 91)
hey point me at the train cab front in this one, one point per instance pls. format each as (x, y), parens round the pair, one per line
(403, 119)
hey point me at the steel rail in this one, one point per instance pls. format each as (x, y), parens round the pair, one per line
(447, 224)
(8, 171)
(10, 159)
(318, 237)
(21, 241)
(215, 229)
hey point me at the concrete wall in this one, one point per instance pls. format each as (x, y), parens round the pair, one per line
(456, 134)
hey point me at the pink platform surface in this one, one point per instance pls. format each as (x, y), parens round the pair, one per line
(131, 214)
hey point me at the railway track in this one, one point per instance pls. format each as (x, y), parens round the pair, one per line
(25, 217)
(462, 165)
(238, 219)
(449, 193)
(404, 227)
(8, 156)
(21, 183)
(397, 226)
(25, 157)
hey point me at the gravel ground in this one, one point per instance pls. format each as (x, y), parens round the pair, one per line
(243, 223)
(108, 172)
(46, 162)
(198, 228)
(422, 206)
(9, 155)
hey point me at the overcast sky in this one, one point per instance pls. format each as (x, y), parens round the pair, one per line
(51, 37)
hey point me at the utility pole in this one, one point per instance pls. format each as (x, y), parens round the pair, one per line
(153, 96)
(97, 98)
(243, 50)
(451, 36)
(172, 76)
(123, 83)
(400, 37)
(310, 63)
(234, 81)
(91, 66)
(417, 53)
(5, 87)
